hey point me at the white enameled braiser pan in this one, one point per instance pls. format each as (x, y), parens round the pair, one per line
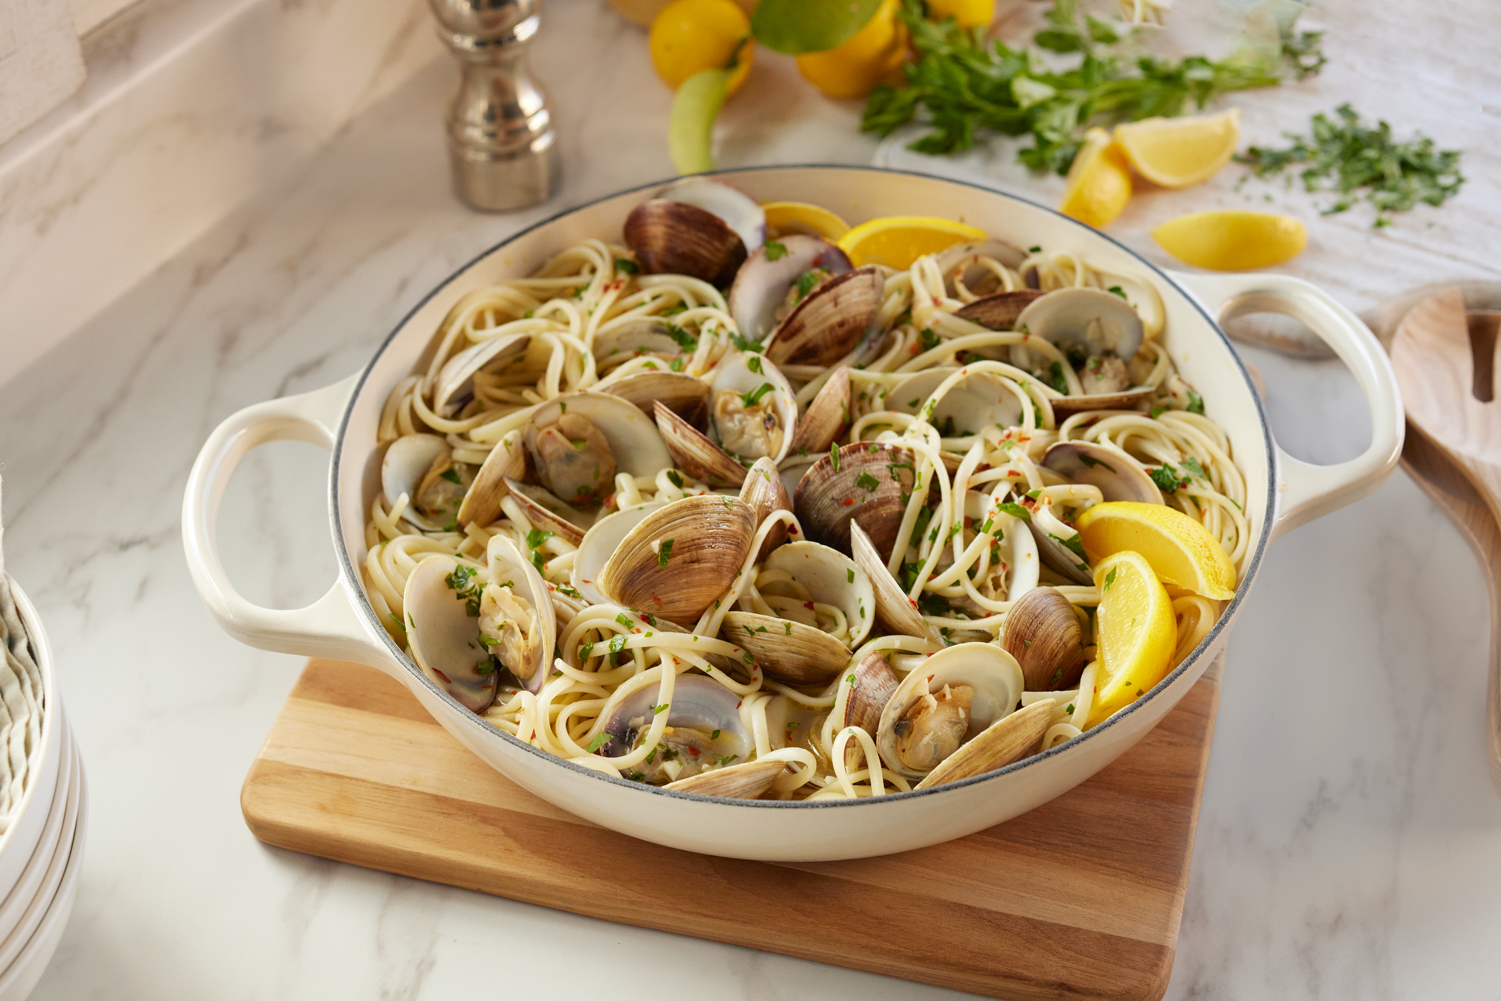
(1282, 492)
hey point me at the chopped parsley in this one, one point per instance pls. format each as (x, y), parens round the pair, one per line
(1015, 510)
(1091, 461)
(664, 554)
(1195, 402)
(775, 251)
(675, 478)
(1056, 378)
(867, 482)
(754, 396)
(462, 581)
(754, 364)
(627, 267)
(834, 455)
(451, 476)
(1109, 579)
(1117, 290)
(603, 738)
(743, 343)
(806, 283)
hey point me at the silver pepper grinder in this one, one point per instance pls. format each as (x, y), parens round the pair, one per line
(500, 134)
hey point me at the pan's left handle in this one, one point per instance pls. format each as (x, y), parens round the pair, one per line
(330, 626)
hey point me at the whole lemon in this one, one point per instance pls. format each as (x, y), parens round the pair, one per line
(693, 35)
(969, 13)
(853, 67)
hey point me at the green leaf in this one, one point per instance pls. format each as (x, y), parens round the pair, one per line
(599, 741)
(536, 537)
(690, 128)
(664, 554)
(798, 26)
(627, 267)
(754, 396)
(775, 251)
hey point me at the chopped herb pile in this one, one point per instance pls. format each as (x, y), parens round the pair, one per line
(960, 84)
(1363, 163)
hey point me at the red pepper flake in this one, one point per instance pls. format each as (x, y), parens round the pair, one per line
(849, 502)
(693, 751)
(657, 600)
(582, 581)
(443, 676)
(808, 605)
(912, 602)
(791, 529)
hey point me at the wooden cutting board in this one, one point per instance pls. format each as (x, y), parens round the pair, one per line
(1081, 898)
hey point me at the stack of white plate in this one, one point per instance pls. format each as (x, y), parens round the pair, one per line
(42, 849)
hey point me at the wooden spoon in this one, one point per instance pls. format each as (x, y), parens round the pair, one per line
(1445, 364)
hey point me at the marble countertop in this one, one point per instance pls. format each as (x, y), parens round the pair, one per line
(1349, 836)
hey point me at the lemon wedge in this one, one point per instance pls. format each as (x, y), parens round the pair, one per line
(786, 218)
(896, 241)
(1179, 549)
(1232, 239)
(1180, 152)
(1099, 181)
(1136, 630)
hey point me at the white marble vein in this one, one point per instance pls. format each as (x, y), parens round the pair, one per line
(1348, 840)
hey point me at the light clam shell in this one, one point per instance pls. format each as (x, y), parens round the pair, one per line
(1050, 534)
(454, 386)
(1000, 310)
(764, 492)
(694, 453)
(827, 416)
(1119, 477)
(993, 674)
(506, 563)
(747, 780)
(827, 500)
(1043, 634)
(792, 652)
(761, 284)
(964, 259)
(444, 638)
(600, 543)
(1091, 319)
(893, 608)
(627, 339)
(671, 237)
(874, 683)
(827, 324)
(684, 395)
(700, 455)
(506, 461)
(530, 499)
(998, 745)
(696, 701)
(633, 438)
(710, 535)
(978, 400)
(402, 468)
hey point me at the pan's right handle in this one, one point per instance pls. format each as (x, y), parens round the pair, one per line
(1306, 491)
(330, 626)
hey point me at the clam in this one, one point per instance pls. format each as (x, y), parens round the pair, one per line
(830, 320)
(644, 335)
(696, 227)
(1119, 477)
(942, 705)
(680, 558)
(506, 461)
(752, 415)
(766, 289)
(600, 543)
(791, 647)
(867, 481)
(871, 683)
(977, 400)
(578, 441)
(454, 386)
(963, 261)
(421, 466)
(764, 493)
(1059, 545)
(747, 780)
(442, 606)
(1000, 310)
(827, 416)
(706, 737)
(998, 745)
(547, 512)
(684, 395)
(1099, 332)
(893, 608)
(516, 620)
(1042, 633)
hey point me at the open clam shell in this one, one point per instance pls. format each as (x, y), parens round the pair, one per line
(1119, 477)
(978, 400)
(548, 513)
(1126, 399)
(454, 387)
(893, 608)
(680, 558)
(1089, 320)
(409, 462)
(950, 698)
(752, 414)
(1058, 546)
(867, 481)
(795, 652)
(1043, 634)
(634, 444)
(529, 593)
(827, 416)
(747, 780)
(506, 461)
(705, 729)
(872, 682)
(444, 638)
(764, 492)
(624, 340)
(684, 395)
(600, 542)
(829, 321)
(1000, 310)
(762, 284)
(1005, 741)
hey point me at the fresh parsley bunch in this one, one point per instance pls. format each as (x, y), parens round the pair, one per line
(960, 84)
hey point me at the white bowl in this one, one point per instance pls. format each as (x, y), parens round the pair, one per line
(30, 962)
(19, 842)
(29, 884)
(1282, 492)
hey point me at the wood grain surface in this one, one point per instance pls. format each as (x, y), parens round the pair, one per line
(1081, 898)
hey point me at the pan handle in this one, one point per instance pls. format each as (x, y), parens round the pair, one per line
(329, 627)
(1306, 491)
